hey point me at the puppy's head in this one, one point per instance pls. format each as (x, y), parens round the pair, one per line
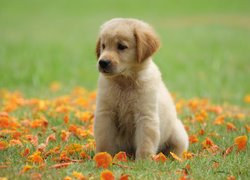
(124, 45)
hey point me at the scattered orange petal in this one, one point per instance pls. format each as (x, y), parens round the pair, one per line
(124, 177)
(228, 150)
(103, 159)
(51, 137)
(231, 177)
(32, 139)
(61, 165)
(187, 155)
(73, 148)
(207, 143)
(231, 127)
(78, 175)
(248, 128)
(14, 142)
(121, 156)
(4, 120)
(160, 157)
(67, 178)
(219, 120)
(26, 152)
(36, 157)
(65, 135)
(241, 142)
(25, 169)
(202, 132)
(175, 157)
(66, 118)
(41, 147)
(193, 139)
(107, 175)
(3, 145)
(84, 155)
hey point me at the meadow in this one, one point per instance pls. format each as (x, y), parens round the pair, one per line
(48, 83)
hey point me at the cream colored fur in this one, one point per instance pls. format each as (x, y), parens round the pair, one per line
(134, 111)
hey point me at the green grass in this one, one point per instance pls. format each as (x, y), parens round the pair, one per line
(205, 54)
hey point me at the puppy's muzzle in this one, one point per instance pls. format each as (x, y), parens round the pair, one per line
(104, 63)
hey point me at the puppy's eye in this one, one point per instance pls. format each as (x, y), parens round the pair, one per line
(121, 46)
(103, 46)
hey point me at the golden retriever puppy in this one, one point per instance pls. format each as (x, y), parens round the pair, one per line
(134, 110)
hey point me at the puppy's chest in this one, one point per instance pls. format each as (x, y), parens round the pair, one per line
(124, 106)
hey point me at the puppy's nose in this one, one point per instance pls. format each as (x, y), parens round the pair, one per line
(104, 63)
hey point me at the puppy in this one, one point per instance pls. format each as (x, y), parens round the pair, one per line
(134, 110)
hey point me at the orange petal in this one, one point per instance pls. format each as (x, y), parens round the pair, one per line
(193, 139)
(78, 175)
(66, 118)
(124, 177)
(187, 155)
(241, 142)
(67, 178)
(228, 150)
(3, 145)
(61, 165)
(26, 152)
(107, 175)
(160, 157)
(121, 156)
(219, 120)
(175, 157)
(248, 128)
(51, 137)
(25, 169)
(103, 159)
(65, 135)
(231, 127)
(231, 177)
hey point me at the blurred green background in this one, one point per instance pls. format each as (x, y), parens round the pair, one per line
(205, 44)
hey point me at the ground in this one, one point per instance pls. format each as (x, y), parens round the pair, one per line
(48, 82)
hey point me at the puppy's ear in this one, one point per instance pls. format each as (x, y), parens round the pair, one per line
(98, 48)
(147, 43)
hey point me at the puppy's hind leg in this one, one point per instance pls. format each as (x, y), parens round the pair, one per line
(179, 139)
